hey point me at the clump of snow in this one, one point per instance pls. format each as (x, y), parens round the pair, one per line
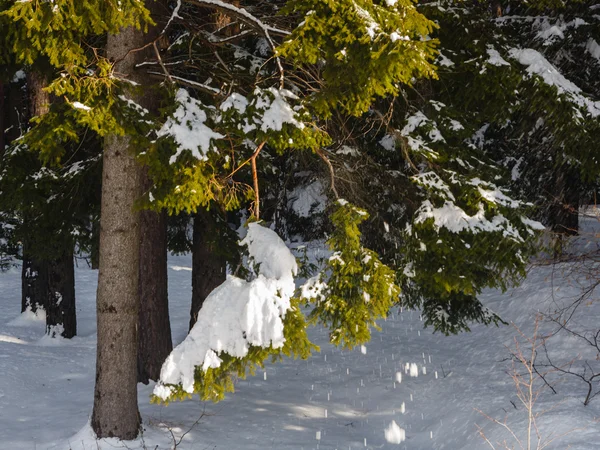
(235, 101)
(78, 105)
(312, 288)
(495, 59)
(394, 434)
(277, 110)
(593, 48)
(237, 314)
(270, 254)
(347, 150)
(455, 219)
(309, 199)
(270, 110)
(19, 75)
(188, 127)
(443, 60)
(388, 142)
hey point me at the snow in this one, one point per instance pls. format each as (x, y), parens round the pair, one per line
(432, 180)
(236, 101)
(495, 59)
(388, 142)
(78, 105)
(394, 434)
(46, 392)
(455, 219)
(18, 76)
(188, 128)
(238, 314)
(593, 48)
(347, 150)
(271, 110)
(537, 64)
(443, 60)
(309, 199)
(277, 111)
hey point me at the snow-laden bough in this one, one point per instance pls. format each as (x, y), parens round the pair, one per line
(236, 315)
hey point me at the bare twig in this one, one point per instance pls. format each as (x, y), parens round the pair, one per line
(160, 61)
(331, 171)
(255, 180)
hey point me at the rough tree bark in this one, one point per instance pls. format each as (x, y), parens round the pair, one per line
(115, 412)
(34, 283)
(34, 275)
(2, 118)
(155, 341)
(60, 315)
(209, 267)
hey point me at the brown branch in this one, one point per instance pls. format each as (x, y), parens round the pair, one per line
(255, 180)
(191, 83)
(331, 171)
(160, 61)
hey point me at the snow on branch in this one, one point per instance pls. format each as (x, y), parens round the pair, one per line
(537, 64)
(188, 128)
(241, 14)
(249, 19)
(237, 315)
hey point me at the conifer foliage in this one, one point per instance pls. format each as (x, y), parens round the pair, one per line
(419, 127)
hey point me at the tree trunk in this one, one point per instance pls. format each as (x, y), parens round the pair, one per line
(34, 276)
(155, 342)
(209, 267)
(564, 210)
(95, 245)
(115, 411)
(60, 316)
(34, 283)
(118, 304)
(2, 119)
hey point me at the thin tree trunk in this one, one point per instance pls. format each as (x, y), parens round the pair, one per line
(155, 342)
(209, 267)
(115, 411)
(2, 119)
(95, 246)
(60, 316)
(564, 210)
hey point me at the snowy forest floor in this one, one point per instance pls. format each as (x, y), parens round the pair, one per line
(335, 400)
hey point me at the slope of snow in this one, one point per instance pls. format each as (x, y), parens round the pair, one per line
(336, 400)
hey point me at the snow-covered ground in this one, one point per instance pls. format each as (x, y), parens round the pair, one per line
(430, 385)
